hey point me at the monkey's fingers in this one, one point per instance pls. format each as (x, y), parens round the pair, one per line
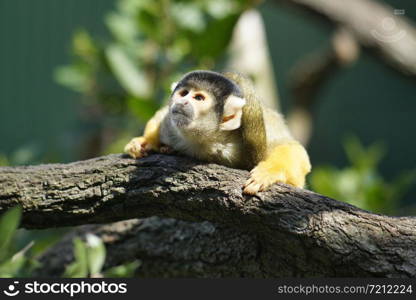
(287, 163)
(261, 178)
(137, 147)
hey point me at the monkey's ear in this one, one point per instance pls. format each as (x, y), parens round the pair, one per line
(233, 111)
(173, 86)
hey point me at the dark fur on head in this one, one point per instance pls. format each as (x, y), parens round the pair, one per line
(215, 83)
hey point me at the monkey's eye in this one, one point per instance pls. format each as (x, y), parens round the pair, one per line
(199, 97)
(183, 93)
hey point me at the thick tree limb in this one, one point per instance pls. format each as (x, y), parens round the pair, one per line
(373, 24)
(299, 233)
(166, 248)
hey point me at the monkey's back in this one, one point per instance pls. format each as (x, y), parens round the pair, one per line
(277, 131)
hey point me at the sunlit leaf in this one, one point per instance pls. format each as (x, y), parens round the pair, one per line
(96, 254)
(221, 8)
(129, 76)
(11, 267)
(78, 268)
(9, 223)
(72, 77)
(122, 27)
(194, 20)
(83, 45)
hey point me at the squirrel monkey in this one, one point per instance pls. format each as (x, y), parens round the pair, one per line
(218, 118)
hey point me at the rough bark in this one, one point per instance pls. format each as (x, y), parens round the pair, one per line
(167, 248)
(373, 24)
(296, 232)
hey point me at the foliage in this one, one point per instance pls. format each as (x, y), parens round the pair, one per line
(361, 184)
(151, 43)
(89, 256)
(13, 263)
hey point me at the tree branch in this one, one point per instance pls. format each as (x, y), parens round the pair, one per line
(166, 248)
(300, 233)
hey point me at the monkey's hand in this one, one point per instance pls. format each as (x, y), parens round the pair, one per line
(138, 147)
(286, 163)
(141, 146)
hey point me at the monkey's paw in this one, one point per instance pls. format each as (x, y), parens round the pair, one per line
(287, 163)
(138, 147)
(261, 178)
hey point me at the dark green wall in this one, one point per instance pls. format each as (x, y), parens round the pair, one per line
(35, 38)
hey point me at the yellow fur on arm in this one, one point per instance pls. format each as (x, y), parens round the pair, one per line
(140, 146)
(286, 163)
(152, 133)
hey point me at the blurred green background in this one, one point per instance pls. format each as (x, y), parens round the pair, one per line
(80, 78)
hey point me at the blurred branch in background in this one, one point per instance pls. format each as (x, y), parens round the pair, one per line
(249, 54)
(366, 23)
(374, 25)
(311, 74)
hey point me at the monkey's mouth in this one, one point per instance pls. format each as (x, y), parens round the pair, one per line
(179, 112)
(180, 117)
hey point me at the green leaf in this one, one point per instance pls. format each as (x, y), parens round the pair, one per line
(194, 20)
(79, 268)
(10, 268)
(221, 8)
(123, 28)
(18, 264)
(122, 271)
(72, 77)
(360, 157)
(9, 223)
(83, 45)
(129, 76)
(96, 254)
(360, 183)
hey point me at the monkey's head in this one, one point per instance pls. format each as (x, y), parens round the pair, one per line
(205, 102)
